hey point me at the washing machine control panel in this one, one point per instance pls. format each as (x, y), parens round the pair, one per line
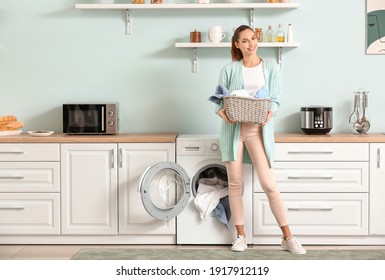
(214, 147)
(198, 147)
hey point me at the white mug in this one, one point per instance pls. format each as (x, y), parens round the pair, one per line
(218, 28)
(216, 37)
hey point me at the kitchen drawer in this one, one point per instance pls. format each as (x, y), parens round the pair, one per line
(315, 214)
(29, 177)
(322, 152)
(320, 177)
(32, 213)
(29, 152)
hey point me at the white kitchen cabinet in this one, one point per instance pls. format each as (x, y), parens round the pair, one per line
(29, 152)
(135, 158)
(325, 188)
(316, 214)
(95, 176)
(29, 213)
(29, 189)
(316, 177)
(89, 191)
(321, 152)
(29, 177)
(377, 189)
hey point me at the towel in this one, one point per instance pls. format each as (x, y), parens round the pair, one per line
(263, 92)
(220, 92)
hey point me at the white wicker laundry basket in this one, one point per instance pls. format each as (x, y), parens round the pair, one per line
(246, 109)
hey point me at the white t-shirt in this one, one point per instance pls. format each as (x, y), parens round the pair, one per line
(253, 78)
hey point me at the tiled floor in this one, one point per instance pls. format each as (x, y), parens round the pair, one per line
(65, 252)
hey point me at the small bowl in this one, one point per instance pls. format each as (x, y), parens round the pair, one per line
(40, 133)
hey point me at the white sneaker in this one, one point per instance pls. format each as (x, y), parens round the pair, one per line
(240, 244)
(292, 245)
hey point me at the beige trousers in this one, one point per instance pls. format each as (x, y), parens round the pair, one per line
(251, 137)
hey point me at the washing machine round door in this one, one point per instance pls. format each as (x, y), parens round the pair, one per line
(165, 190)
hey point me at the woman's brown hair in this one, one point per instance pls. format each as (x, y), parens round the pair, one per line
(236, 53)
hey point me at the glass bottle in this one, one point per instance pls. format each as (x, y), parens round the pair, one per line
(269, 35)
(259, 34)
(280, 35)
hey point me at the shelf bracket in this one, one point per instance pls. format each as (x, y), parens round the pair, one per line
(252, 18)
(195, 61)
(280, 56)
(128, 22)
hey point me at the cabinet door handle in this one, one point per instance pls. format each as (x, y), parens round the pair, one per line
(19, 177)
(120, 157)
(322, 208)
(310, 152)
(12, 152)
(378, 158)
(12, 207)
(310, 177)
(112, 158)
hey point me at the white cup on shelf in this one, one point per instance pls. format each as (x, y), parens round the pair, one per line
(216, 37)
(217, 28)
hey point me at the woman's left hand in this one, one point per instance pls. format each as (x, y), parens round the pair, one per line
(269, 114)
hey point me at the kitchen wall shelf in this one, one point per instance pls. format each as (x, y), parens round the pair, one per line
(129, 7)
(195, 46)
(189, 6)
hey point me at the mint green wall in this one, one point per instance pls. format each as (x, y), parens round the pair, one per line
(52, 53)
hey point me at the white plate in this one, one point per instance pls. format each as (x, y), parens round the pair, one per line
(40, 133)
(10, 132)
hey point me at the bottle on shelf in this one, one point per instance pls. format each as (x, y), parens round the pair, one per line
(269, 35)
(259, 34)
(289, 37)
(280, 35)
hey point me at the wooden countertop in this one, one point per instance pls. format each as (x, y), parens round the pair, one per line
(330, 138)
(117, 138)
(171, 138)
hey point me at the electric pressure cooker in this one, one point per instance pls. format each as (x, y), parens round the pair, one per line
(316, 119)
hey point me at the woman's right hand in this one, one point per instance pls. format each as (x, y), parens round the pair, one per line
(222, 114)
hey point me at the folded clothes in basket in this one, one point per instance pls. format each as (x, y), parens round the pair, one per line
(240, 93)
(221, 92)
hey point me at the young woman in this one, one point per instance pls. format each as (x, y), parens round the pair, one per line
(251, 143)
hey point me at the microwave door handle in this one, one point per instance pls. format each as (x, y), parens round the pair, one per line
(103, 119)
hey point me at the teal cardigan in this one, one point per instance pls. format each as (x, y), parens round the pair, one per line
(232, 79)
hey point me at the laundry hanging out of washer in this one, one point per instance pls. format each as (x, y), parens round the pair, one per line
(212, 195)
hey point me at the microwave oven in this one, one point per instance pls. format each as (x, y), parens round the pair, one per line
(90, 118)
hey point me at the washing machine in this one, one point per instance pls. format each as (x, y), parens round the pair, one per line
(168, 190)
